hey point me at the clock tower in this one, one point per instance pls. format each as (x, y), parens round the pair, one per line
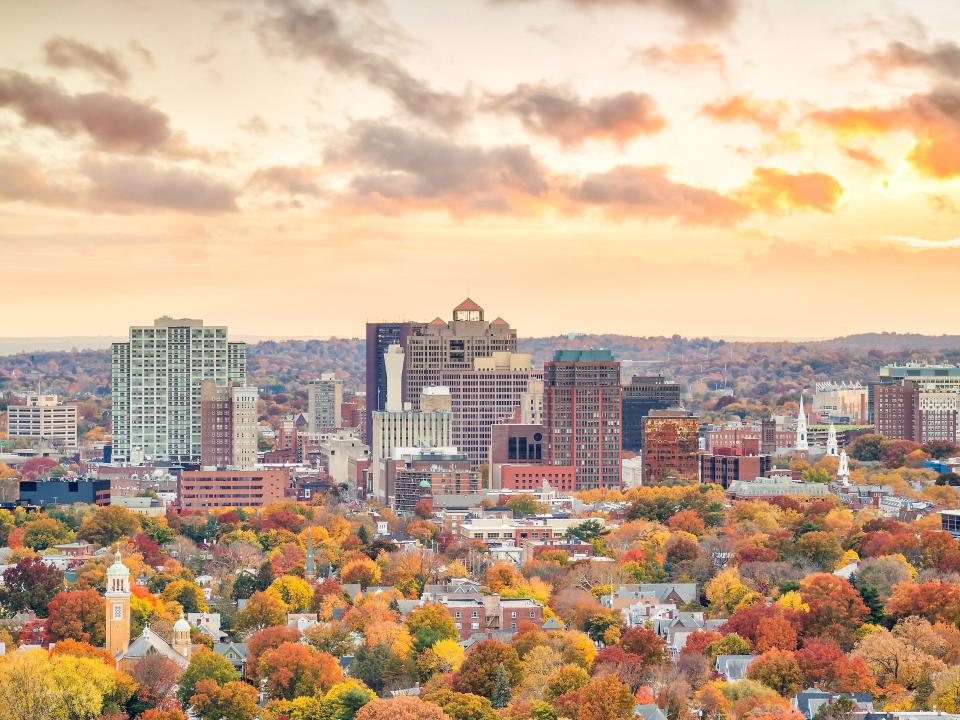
(118, 607)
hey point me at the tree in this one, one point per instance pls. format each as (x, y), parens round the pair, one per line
(293, 669)
(204, 665)
(501, 689)
(380, 668)
(732, 644)
(344, 700)
(462, 706)
(821, 548)
(565, 679)
(231, 701)
(45, 532)
(841, 708)
(948, 478)
(157, 676)
(882, 573)
(30, 585)
(295, 592)
(934, 600)
(587, 531)
(478, 674)
(431, 623)
(940, 449)
(77, 614)
(525, 504)
(400, 708)
(603, 698)
(779, 670)
(106, 525)
(649, 647)
(268, 639)
(687, 521)
(836, 609)
(335, 638)
(726, 590)
(867, 447)
(262, 610)
(188, 594)
(362, 570)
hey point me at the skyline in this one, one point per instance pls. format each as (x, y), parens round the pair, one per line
(290, 168)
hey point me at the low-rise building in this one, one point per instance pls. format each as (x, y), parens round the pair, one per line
(232, 488)
(65, 491)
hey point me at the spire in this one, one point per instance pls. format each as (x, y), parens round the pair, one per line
(802, 445)
(832, 440)
(843, 469)
(310, 567)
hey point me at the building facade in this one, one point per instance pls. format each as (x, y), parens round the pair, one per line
(484, 395)
(724, 468)
(64, 491)
(841, 402)
(156, 382)
(381, 336)
(228, 425)
(325, 403)
(641, 395)
(44, 418)
(582, 414)
(671, 446)
(197, 489)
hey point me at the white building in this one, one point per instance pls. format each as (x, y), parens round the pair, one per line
(324, 403)
(155, 384)
(632, 472)
(43, 418)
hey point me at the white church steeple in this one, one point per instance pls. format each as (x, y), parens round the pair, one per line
(843, 469)
(832, 441)
(802, 445)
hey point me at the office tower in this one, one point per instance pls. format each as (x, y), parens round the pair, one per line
(671, 446)
(921, 413)
(381, 336)
(582, 414)
(438, 346)
(228, 425)
(641, 395)
(402, 427)
(324, 403)
(489, 392)
(43, 418)
(840, 402)
(531, 403)
(156, 378)
(728, 465)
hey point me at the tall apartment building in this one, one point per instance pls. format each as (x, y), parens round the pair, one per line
(380, 336)
(840, 402)
(44, 418)
(399, 426)
(671, 447)
(324, 403)
(921, 413)
(486, 394)
(156, 379)
(582, 415)
(641, 395)
(442, 346)
(228, 425)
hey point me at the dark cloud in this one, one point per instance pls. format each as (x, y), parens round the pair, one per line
(941, 59)
(66, 53)
(552, 111)
(113, 122)
(630, 190)
(697, 14)
(292, 180)
(395, 165)
(316, 32)
(130, 184)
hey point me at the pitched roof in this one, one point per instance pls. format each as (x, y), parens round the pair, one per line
(467, 304)
(437, 321)
(150, 643)
(499, 321)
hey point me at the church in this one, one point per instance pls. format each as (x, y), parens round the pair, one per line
(117, 608)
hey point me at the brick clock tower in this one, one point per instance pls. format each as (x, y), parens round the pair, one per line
(118, 607)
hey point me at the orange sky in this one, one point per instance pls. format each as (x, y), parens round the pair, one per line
(295, 167)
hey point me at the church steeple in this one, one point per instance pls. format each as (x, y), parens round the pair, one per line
(802, 444)
(832, 440)
(117, 607)
(310, 566)
(843, 469)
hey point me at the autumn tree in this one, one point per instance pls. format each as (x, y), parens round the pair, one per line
(45, 532)
(934, 600)
(363, 571)
(262, 610)
(778, 670)
(269, 638)
(478, 674)
(603, 698)
(293, 669)
(30, 585)
(400, 708)
(431, 623)
(230, 701)
(106, 525)
(295, 592)
(204, 665)
(649, 647)
(156, 676)
(77, 614)
(836, 609)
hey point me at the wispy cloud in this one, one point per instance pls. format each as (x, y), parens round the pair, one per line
(923, 243)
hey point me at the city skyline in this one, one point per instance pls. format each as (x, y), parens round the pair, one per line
(661, 159)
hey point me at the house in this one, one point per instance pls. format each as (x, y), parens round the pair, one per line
(514, 611)
(149, 643)
(236, 653)
(733, 667)
(301, 621)
(810, 700)
(675, 627)
(208, 624)
(648, 712)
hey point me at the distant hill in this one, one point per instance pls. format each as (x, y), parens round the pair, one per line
(887, 342)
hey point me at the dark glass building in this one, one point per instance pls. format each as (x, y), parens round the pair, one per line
(65, 492)
(380, 336)
(641, 395)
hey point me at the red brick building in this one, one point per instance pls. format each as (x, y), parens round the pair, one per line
(232, 488)
(532, 477)
(727, 465)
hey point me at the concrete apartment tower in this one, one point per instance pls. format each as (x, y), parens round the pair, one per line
(117, 607)
(228, 425)
(156, 379)
(325, 403)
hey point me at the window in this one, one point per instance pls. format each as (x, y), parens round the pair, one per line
(513, 615)
(475, 614)
(117, 611)
(457, 615)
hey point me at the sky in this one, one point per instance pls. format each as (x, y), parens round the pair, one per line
(765, 168)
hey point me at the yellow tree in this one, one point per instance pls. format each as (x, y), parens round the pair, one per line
(295, 592)
(726, 590)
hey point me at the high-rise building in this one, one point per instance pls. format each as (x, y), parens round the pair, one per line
(487, 393)
(381, 336)
(582, 413)
(441, 346)
(641, 395)
(44, 418)
(671, 446)
(156, 379)
(840, 402)
(909, 411)
(228, 425)
(324, 403)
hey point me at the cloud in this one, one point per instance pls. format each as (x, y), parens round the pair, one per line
(696, 14)
(775, 190)
(923, 243)
(396, 168)
(765, 114)
(292, 180)
(943, 203)
(865, 156)
(22, 178)
(66, 53)
(554, 112)
(126, 185)
(113, 122)
(316, 32)
(933, 118)
(941, 59)
(682, 57)
(647, 191)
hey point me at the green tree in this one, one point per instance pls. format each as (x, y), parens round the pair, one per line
(587, 531)
(107, 525)
(205, 665)
(501, 689)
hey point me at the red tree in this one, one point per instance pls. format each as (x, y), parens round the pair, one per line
(77, 614)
